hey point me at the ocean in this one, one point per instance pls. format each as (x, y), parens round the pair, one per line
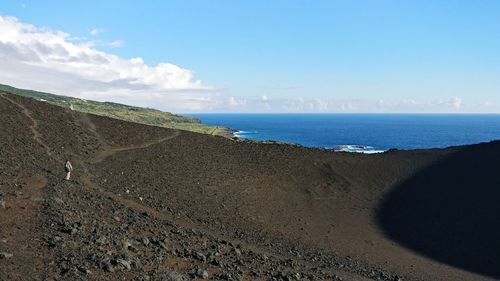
(368, 133)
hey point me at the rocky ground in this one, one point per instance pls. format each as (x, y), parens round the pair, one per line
(147, 203)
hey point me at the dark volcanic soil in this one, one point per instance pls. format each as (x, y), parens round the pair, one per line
(148, 203)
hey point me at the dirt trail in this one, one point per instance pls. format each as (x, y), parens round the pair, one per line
(109, 150)
(36, 135)
(22, 215)
(87, 177)
(113, 150)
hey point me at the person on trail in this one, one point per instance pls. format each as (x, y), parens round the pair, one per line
(68, 168)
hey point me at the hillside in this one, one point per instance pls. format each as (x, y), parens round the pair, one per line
(134, 114)
(150, 203)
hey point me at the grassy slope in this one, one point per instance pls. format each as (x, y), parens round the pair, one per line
(141, 115)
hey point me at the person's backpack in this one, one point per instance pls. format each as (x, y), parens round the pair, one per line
(67, 167)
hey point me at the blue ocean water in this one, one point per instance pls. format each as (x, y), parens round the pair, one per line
(363, 132)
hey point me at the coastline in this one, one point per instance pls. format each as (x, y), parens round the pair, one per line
(363, 133)
(352, 148)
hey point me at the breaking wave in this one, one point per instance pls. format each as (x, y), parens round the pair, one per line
(243, 134)
(357, 149)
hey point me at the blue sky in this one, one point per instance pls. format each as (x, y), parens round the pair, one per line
(274, 56)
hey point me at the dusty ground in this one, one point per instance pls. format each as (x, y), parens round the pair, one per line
(147, 203)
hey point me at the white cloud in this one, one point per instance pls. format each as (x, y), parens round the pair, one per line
(267, 104)
(456, 102)
(322, 105)
(96, 31)
(237, 102)
(52, 61)
(116, 44)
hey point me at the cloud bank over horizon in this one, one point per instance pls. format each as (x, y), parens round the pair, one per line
(326, 105)
(54, 61)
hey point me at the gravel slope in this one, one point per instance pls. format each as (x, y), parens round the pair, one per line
(147, 203)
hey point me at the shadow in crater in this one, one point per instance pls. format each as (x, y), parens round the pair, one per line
(450, 210)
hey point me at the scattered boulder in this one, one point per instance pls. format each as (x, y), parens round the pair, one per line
(84, 270)
(5, 255)
(101, 240)
(136, 263)
(170, 275)
(57, 200)
(237, 251)
(109, 267)
(54, 241)
(124, 263)
(126, 245)
(200, 256)
(202, 274)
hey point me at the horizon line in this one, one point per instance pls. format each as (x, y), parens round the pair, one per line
(351, 113)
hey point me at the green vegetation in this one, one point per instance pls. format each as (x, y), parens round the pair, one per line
(141, 115)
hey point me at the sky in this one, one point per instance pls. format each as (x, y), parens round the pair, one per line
(277, 56)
